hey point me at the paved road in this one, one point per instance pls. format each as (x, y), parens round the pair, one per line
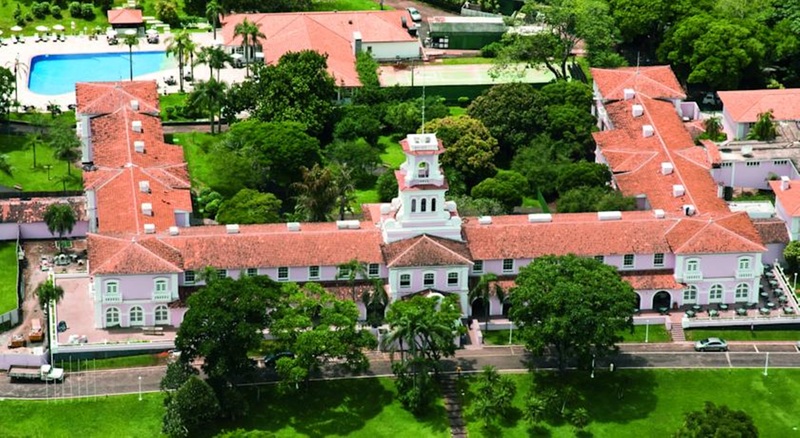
(677, 356)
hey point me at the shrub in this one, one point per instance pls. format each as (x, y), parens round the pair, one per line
(55, 11)
(75, 10)
(28, 16)
(490, 50)
(40, 10)
(169, 112)
(19, 18)
(463, 101)
(87, 11)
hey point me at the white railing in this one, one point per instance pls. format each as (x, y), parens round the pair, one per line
(112, 298)
(745, 273)
(162, 296)
(692, 276)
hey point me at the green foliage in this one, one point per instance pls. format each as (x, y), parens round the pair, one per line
(717, 421)
(193, 406)
(575, 305)
(358, 157)
(222, 330)
(60, 219)
(507, 188)
(792, 255)
(87, 11)
(713, 130)
(493, 397)
(406, 117)
(387, 186)
(582, 174)
(367, 69)
(416, 388)
(764, 129)
(317, 327)
(7, 87)
(250, 207)
(470, 148)
(490, 50)
(588, 199)
(358, 121)
(469, 206)
(74, 10)
(316, 193)
(167, 11)
(178, 372)
(209, 202)
(47, 292)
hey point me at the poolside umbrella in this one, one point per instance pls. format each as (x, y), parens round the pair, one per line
(152, 32)
(16, 29)
(42, 28)
(131, 32)
(111, 33)
(58, 27)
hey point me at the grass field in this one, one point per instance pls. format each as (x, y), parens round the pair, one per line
(8, 276)
(23, 174)
(658, 333)
(392, 155)
(141, 360)
(347, 5)
(653, 402)
(365, 197)
(28, 28)
(195, 146)
(467, 60)
(743, 334)
(457, 111)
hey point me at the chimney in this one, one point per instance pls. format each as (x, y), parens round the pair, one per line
(678, 190)
(785, 184)
(136, 126)
(147, 209)
(609, 215)
(144, 186)
(628, 93)
(637, 110)
(149, 228)
(356, 42)
(667, 168)
(138, 146)
(135, 105)
(647, 131)
(540, 217)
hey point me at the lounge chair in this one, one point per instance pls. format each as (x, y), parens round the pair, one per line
(45, 38)
(37, 38)
(14, 39)
(20, 39)
(62, 38)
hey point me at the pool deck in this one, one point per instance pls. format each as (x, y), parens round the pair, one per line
(82, 45)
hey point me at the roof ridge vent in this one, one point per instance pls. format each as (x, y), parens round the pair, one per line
(628, 93)
(138, 146)
(348, 225)
(232, 228)
(540, 217)
(689, 210)
(659, 213)
(293, 226)
(485, 220)
(637, 110)
(144, 186)
(609, 215)
(149, 228)
(135, 105)
(785, 182)
(667, 168)
(147, 209)
(136, 126)
(174, 231)
(648, 131)
(678, 190)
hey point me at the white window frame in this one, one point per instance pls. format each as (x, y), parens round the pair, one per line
(407, 278)
(374, 270)
(115, 311)
(508, 270)
(222, 273)
(626, 264)
(160, 285)
(692, 265)
(477, 267)
(108, 286)
(187, 275)
(745, 263)
(656, 262)
(690, 294)
(311, 275)
(251, 272)
(713, 291)
(450, 276)
(285, 277)
(742, 293)
(131, 321)
(599, 258)
(162, 321)
(426, 276)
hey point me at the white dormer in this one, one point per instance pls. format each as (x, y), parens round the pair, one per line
(147, 209)
(629, 93)
(688, 210)
(648, 131)
(135, 105)
(136, 126)
(659, 213)
(678, 190)
(174, 231)
(149, 228)
(144, 186)
(138, 146)
(637, 110)
(232, 228)
(785, 183)
(667, 168)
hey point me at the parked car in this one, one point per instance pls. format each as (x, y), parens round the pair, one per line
(272, 359)
(415, 15)
(711, 344)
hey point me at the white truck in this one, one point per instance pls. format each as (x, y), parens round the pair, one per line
(45, 373)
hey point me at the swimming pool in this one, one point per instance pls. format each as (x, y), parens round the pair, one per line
(57, 74)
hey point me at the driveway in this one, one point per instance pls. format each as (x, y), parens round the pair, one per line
(425, 9)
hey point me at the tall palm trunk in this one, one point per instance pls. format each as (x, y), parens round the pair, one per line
(180, 68)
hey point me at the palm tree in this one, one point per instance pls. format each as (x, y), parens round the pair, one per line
(345, 190)
(215, 58)
(764, 128)
(351, 271)
(18, 68)
(316, 193)
(189, 51)
(60, 218)
(34, 140)
(251, 34)
(375, 299)
(482, 291)
(67, 151)
(213, 11)
(209, 95)
(176, 46)
(48, 292)
(130, 40)
(5, 166)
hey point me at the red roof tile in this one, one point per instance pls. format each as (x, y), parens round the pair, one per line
(651, 280)
(426, 251)
(727, 234)
(111, 255)
(772, 231)
(125, 16)
(654, 82)
(26, 211)
(96, 98)
(325, 32)
(745, 106)
(714, 156)
(789, 199)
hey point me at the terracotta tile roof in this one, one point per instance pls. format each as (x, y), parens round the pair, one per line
(113, 141)
(96, 98)
(325, 32)
(712, 150)
(789, 198)
(745, 106)
(32, 210)
(651, 280)
(772, 230)
(655, 82)
(272, 245)
(724, 234)
(128, 256)
(426, 251)
(125, 16)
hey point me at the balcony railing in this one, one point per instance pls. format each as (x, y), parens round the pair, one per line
(692, 276)
(745, 273)
(117, 298)
(162, 296)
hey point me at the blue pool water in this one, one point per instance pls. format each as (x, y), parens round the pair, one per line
(57, 74)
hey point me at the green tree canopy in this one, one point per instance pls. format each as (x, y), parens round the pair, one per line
(193, 406)
(60, 219)
(47, 291)
(358, 121)
(716, 422)
(578, 306)
(358, 156)
(469, 147)
(387, 186)
(792, 255)
(507, 188)
(469, 206)
(316, 193)
(249, 206)
(425, 326)
(7, 88)
(764, 128)
(405, 117)
(494, 395)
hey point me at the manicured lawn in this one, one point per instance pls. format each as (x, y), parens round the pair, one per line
(8, 276)
(23, 174)
(653, 402)
(392, 155)
(195, 150)
(121, 416)
(658, 333)
(141, 360)
(457, 110)
(467, 60)
(365, 197)
(530, 202)
(29, 28)
(743, 334)
(172, 101)
(347, 5)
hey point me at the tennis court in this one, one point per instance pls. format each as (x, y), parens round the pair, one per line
(466, 74)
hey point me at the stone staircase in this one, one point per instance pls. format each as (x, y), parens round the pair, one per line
(677, 333)
(452, 404)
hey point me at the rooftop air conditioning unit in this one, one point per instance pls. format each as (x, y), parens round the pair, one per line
(659, 213)
(678, 190)
(136, 126)
(232, 228)
(667, 168)
(293, 226)
(386, 208)
(637, 110)
(348, 225)
(688, 210)
(485, 220)
(785, 183)
(648, 131)
(174, 231)
(135, 105)
(628, 93)
(138, 146)
(147, 209)
(540, 217)
(609, 215)
(144, 186)
(149, 228)
(747, 151)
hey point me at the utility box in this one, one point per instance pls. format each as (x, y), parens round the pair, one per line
(465, 33)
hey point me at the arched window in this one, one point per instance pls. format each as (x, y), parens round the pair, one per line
(413, 205)
(422, 204)
(742, 292)
(112, 317)
(423, 170)
(433, 204)
(136, 316)
(162, 315)
(715, 294)
(690, 294)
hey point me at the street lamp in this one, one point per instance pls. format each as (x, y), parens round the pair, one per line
(140, 388)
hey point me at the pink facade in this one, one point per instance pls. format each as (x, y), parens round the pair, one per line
(753, 173)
